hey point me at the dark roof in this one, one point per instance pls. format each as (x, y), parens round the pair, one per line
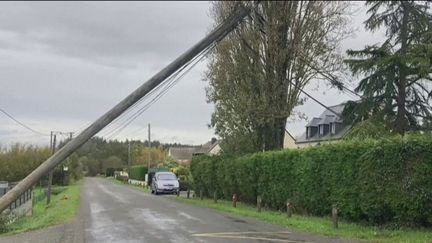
(326, 117)
(314, 122)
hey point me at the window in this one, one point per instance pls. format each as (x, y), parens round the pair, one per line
(321, 130)
(308, 132)
(166, 177)
(332, 128)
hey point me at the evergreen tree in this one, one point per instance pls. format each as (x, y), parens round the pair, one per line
(397, 79)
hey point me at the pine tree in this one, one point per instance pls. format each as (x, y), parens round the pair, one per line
(397, 79)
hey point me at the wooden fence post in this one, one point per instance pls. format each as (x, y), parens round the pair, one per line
(335, 217)
(215, 197)
(201, 195)
(188, 193)
(259, 201)
(234, 200)
(289, 208)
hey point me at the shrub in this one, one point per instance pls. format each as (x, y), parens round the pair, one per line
(138, 172)
(374, 181)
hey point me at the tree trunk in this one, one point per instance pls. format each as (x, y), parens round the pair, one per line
(401, 122)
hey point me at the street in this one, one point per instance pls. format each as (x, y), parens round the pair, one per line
(116, 213)
(119, 213)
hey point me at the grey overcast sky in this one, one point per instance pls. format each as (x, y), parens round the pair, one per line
(63, 64)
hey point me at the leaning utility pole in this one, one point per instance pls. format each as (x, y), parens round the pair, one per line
(50, 176)
(216, 35)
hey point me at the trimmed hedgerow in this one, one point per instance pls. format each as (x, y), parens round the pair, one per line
(384, 181)
(138, 172)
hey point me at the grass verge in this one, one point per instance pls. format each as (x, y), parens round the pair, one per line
(62, 209)
(139, 188)
(316, 225)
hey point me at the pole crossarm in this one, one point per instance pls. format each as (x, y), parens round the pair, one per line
(239, 13)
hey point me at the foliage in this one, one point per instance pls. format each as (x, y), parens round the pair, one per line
(256, 72)
(397, 74)
(371, 128)
(5, 220)
(371, 181)
(184, 176)
(138, 172)
(18, 160)
(157, 156)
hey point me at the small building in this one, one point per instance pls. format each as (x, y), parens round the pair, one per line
(326, 128)
(183, 155)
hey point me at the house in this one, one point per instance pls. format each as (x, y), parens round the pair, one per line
(211, 148)
(289, 140)
(327, 128)
(184, 154)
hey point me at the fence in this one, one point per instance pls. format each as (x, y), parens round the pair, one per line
(21, 205)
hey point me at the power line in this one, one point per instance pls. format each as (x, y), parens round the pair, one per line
(22, 124)
(169, 84)
(164, 83)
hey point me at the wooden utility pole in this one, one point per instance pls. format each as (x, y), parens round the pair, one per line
(149, 146)
(239, 13)
(50, 176)
(129, 153)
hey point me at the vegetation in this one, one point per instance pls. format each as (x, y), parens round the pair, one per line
(256, 73)
(138, 172)
(98, 154)
(396, 83)
(62, 209)
(317, 225)
(18, 160)
(376, 182)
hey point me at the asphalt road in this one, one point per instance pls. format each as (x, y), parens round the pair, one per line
(117, 213)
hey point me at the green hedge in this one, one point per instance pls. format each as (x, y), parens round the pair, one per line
(138, 172)
(376, 182)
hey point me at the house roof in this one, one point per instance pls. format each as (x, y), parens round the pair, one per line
(326, 117)
(186, 153)
(182, 153)
(314, 122)
(206, 148)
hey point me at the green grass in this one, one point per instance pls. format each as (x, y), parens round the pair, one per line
(316, 225)
(62, 209)
(139, 188)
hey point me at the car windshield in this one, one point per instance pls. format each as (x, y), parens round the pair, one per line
(166, 177)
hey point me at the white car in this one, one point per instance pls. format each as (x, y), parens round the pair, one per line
(165, 182)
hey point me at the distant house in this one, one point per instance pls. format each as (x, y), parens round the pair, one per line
(211, 148)
(326, 128)
(184, 154)
(289, 140)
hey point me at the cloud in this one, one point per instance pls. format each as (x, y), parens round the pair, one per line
(72, 61)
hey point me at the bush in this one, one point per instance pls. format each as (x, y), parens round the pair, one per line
(5, 220)
(374, 181)
(138, 172)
